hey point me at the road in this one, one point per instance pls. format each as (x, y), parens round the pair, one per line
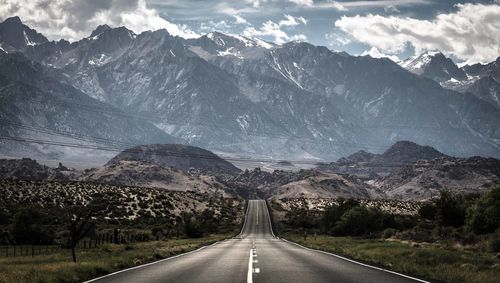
(256, 255)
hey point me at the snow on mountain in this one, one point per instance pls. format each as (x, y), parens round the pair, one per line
(434, 65)
(17, 36)
(245, 96)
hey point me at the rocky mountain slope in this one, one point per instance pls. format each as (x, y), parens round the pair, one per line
(434, 65)
(291, 101)
(35, 104)
(125, 202)
(121, 173)
(301, 184)
(480, 80)
(426, 178)
(182, 157)
(370, 166)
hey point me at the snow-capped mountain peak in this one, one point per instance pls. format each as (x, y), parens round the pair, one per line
(416, 64)
(99, 30)
(233, 40)
(434, 65)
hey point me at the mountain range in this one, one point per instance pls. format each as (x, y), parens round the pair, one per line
(412, 172)
(231, 94)
(480, 80)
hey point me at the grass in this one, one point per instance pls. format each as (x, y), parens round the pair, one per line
(58, 267)
(427, 261)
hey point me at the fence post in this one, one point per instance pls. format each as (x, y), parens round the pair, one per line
(14, 250)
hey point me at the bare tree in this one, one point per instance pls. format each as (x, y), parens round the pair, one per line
(81, 220)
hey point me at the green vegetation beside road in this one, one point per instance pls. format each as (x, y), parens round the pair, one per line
(423, 260)
(453, 238)
(105, 259)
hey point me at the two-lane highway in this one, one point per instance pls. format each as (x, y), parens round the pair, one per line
(255, 256)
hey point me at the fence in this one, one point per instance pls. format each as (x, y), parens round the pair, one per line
(15, 250)
(27, 250)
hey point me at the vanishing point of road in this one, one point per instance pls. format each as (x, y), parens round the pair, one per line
(255, 255)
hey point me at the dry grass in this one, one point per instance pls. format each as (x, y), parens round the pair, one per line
(429, 261)
(92, 263)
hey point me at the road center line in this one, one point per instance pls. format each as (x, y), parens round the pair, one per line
(257, 216)
(250, 268)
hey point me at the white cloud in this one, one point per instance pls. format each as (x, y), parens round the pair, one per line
(375, 53)
(256, 3)
(308, 3)
(470, 33)
(221, 26)
(74, 19)
(239, 20)
(337, 39)
(275, 30)
(292, 21)
(391, 9)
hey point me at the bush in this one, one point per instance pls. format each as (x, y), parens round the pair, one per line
(28, 226)
(428, 211)
(333, 214)
(359, 221)
(4, 217)
(484, 215)
(389, 232)
(450, 210)
(494, 245)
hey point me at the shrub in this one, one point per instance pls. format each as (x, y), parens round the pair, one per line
(484, 215)
(388, 232)
(494, 245)
(450, 210)
(428, 211)
(359, 221)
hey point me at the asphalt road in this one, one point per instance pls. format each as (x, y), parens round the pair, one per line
(256, 255)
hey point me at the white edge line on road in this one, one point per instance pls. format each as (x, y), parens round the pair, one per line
(269, 216)
(244, 221)
(250, 268)
(168, 258)
(341, 257)
(151, 263)
(357, 262)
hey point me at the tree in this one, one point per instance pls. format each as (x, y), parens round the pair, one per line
(80, 221)
(450, 209)
(428, 211)
(484, 215)
(191, 225)
(333, 213)
(4, 217)
(28, 226)
(360, 220)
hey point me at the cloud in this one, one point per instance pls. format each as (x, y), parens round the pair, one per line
(337, 39)
(470, 33)
(74, 19)
(375, 53)
(302, 2)
(291, 21)
(275, 30)
(221, 26)
(333, 4)
(391, 9)
(239, 20)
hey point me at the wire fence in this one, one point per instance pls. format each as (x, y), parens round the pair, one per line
(37, 249)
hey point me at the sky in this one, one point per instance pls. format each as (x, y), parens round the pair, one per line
(466, 31)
